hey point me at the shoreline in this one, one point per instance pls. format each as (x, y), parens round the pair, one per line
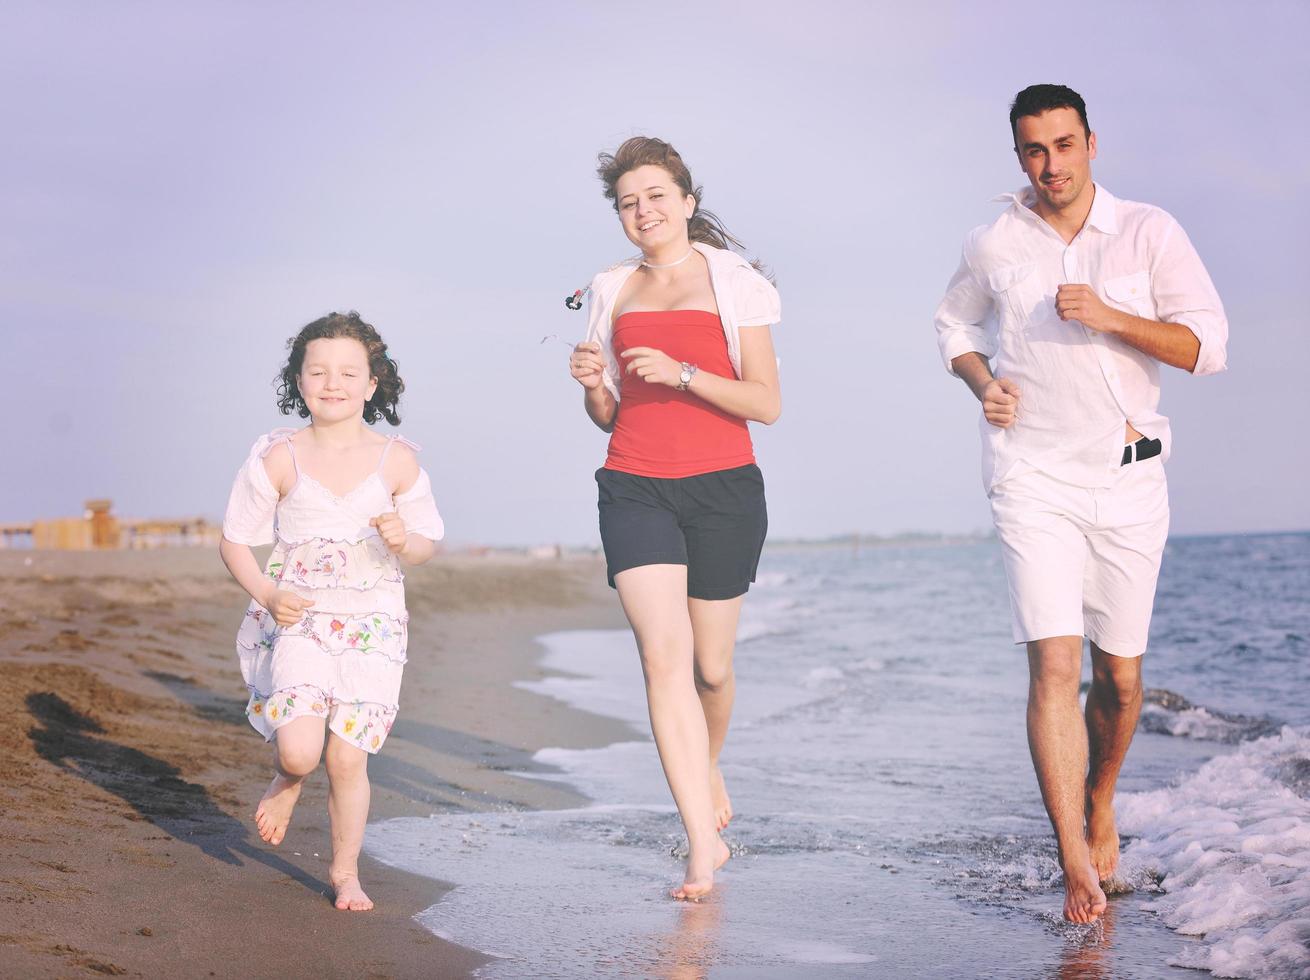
(130, 773)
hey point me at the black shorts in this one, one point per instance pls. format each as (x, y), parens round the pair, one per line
(714, 523)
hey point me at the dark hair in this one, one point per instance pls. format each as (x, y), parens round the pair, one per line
(1036, 99)
(641, 151)
(387, 394)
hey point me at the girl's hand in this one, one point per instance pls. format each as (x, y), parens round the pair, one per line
(391, 529)
(653, 366)
(287, 607)
(586, 365)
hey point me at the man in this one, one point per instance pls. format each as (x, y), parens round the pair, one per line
(1077, 297)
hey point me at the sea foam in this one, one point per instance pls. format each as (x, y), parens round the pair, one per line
(1232, 845)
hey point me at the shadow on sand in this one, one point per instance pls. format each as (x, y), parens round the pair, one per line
(153, 788)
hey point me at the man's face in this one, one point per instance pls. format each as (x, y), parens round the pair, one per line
(1056, 153)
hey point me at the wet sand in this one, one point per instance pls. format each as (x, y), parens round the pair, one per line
(128, 773)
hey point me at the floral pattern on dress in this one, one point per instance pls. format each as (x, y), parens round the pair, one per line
(362, 723)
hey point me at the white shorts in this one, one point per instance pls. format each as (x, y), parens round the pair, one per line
(1084, 562)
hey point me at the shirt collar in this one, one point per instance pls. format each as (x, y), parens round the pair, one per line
(1104, 216)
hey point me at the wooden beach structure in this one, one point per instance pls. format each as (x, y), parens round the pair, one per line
(98, 529)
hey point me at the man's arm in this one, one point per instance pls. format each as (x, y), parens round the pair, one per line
(1172, 343)
(966, 343)
(1192, 332)
(999, 396)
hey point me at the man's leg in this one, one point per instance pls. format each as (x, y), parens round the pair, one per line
(1057, 738)
(1123, 565)
(1113, 705)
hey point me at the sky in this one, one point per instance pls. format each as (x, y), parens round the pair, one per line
(183, 186)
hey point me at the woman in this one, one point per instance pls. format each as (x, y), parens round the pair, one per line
(678, 357)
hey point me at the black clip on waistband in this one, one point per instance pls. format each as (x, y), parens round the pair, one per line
(1143, 448)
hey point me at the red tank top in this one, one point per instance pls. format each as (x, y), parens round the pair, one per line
(663, 432)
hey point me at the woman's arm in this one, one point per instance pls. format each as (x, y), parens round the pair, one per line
(757, 396)
(588, 368)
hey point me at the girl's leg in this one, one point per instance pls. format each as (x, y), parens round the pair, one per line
(714, 627)
(348, 797)
(654, 599)
(297, 746)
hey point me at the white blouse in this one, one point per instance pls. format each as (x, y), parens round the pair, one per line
(744, 297)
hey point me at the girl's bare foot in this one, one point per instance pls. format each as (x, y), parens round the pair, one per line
(700, 881)
(273, 814)
(1102, 839)
(1083, 899)
(719, 799)
(350, 896)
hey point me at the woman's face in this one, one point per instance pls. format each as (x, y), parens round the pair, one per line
(334, 380)
(652, 208)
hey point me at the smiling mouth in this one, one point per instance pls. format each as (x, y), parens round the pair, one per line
(649, 225)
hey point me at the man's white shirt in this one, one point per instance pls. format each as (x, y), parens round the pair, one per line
(1077, 386)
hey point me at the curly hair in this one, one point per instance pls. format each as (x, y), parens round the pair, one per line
(387, 394)
(704, 226)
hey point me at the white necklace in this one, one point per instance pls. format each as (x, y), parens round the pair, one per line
(668, 265)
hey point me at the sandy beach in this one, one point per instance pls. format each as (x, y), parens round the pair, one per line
(128, 773)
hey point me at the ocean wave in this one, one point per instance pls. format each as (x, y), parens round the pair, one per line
(1231, 844)
(1167, 713)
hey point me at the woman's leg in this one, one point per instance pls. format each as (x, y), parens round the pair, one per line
(654, 599)
(714, 627)
(297, 746)
(348, 798)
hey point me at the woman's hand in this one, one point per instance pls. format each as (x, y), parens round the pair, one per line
(287, 607)
(653, 366)
(586, 365)
(391, 529)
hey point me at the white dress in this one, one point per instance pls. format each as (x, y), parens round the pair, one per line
(343, 661)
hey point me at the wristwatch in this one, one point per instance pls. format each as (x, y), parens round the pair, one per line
(688, 372)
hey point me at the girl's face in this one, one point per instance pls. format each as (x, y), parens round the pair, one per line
(652, 208)
(334, 381)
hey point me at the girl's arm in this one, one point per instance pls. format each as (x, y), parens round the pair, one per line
(249, 506)
(410, 547)
(757, 396)
(240, 561)
(287, 607)
(412, 494)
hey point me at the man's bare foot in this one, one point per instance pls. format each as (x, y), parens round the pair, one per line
(699, 882)
(350, 896)
(719, 799)
(1083, 899)
(274, 811)
(1102, 839)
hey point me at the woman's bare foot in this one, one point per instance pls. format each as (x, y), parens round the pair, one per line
(274, 811)
(350, 896)
(1102, 839)
(700, 881)
(719, 799)
(1083, 899)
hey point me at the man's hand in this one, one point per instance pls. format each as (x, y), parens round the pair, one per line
(1078, 301)
(1000, 402)
(287, 607)
(391, 529)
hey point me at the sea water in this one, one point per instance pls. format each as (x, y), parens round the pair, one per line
(887, 819)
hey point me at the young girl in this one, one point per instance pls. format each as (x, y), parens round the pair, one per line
(680, 334)
(322, 645)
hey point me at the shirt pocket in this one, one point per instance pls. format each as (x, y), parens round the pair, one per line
(1017, 293)
(1131, 293)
